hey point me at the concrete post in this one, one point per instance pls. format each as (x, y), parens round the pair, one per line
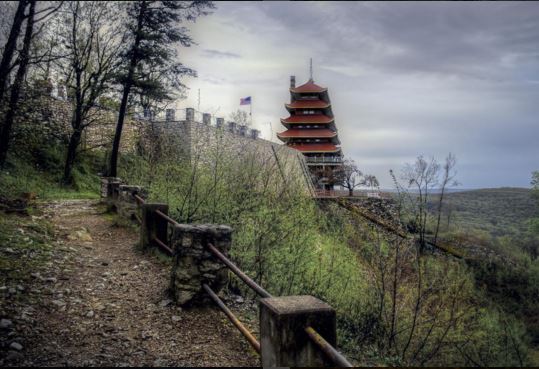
(206, 119)
(254, 133)
(283, 340)
(194, 265)
(190, 114)
(153, 226)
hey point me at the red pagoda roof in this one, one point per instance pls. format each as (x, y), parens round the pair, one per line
(307, 133)
(308, 119)
(309, 87)
(306, 104)
(306, 147)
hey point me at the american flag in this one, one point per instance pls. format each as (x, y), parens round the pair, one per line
(245, 100)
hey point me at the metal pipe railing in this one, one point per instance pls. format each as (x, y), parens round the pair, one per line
(167, 249)
(320, 342)
(139, 199)
(254, 286)
(327, 349)
(166, 217)
(315, 337)
(248, 335)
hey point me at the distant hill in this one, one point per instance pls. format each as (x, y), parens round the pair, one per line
(499, 211)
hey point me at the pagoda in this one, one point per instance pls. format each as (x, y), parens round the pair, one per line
(311, 129)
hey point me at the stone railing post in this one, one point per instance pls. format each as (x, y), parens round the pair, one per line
(126, 205)
(283, 340)
(109, 187)
(105, 186)
(153, 226)
(194, 265)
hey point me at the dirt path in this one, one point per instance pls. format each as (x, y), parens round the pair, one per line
(103, 303)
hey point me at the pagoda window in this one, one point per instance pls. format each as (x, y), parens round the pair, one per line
(308, 112)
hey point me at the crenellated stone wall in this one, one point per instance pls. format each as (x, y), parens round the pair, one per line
(197, 140)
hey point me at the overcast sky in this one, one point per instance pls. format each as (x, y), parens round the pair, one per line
(404, 78)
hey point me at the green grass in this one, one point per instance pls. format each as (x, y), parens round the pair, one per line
(26, 245)
(42, 177)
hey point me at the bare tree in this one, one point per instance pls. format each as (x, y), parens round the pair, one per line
(5, 134)
(371, 181)
(10, 47)
(352, 176)
(240, 117)
(92, 42)
(449, 174)
(422, 177)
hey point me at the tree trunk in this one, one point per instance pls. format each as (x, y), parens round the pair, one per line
(350, 192)
(74, 142)
(5, 134)
(127, 88)
(118, 133)
(10, 47)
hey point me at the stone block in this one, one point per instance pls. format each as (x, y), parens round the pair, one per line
(194, 265)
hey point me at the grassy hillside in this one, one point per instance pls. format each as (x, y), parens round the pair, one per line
(498, 211)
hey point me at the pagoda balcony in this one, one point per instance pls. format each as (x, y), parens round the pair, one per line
(324, 159)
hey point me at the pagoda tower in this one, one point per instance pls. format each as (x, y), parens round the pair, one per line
(311, 129)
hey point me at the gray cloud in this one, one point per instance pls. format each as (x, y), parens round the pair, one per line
(220, 54)
(405, 78)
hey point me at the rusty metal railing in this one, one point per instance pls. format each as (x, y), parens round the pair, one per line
(248, 281)
(248, 335)
(314, 336)
(166, 217)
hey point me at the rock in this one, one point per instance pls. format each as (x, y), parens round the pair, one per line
(15, 346)
(9, 250)
(5, 323)
(58, 303)
(239, 299)
(81, 235)
(165, 303)
(13, 356)
(90, 314)
(51, 280)
(160, 362)
(176, 318)
(20, 288)
(35, 275)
